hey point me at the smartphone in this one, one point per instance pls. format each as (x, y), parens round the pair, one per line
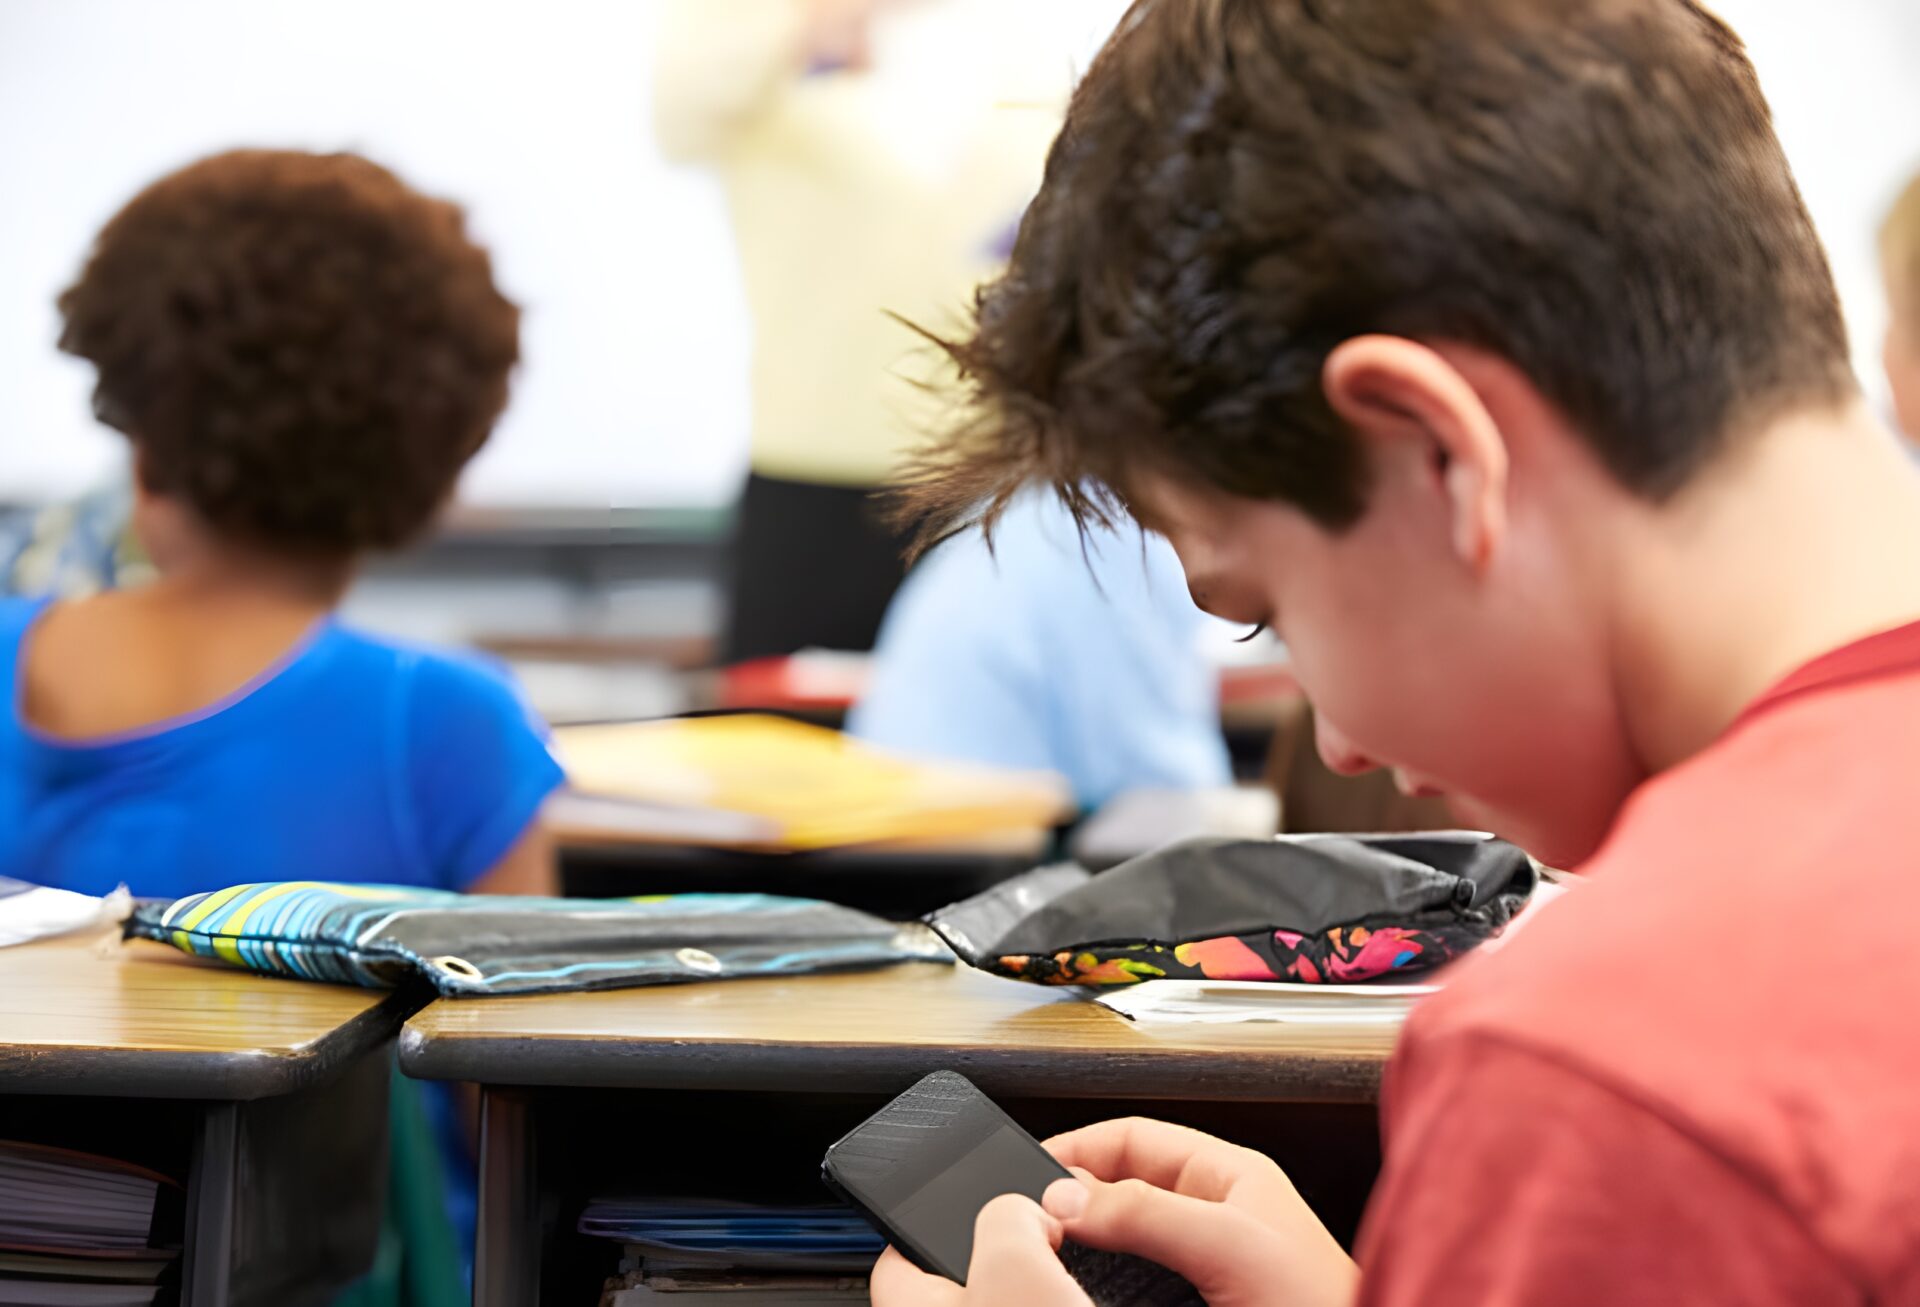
(921, 1168)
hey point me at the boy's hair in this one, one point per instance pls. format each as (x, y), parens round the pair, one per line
(299, 346)
(1900, 251)
(1590, 189)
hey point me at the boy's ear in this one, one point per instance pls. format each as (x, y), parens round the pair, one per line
(1391, 391)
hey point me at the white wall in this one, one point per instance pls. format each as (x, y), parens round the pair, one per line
(534, 112)
(1844, 79)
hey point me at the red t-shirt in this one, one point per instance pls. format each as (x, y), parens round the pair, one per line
(1695, 1078)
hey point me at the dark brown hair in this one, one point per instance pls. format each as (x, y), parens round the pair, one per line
(299, 346)
(1589, 188)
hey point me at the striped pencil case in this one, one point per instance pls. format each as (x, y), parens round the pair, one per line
(380, 936)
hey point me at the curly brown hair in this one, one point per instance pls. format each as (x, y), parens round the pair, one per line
(299, 346)
(1590, 189)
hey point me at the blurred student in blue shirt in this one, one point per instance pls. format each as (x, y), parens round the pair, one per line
(303, 353)
(1041, 655)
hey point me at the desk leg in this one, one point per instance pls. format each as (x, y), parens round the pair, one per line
(208, 1258)
(506, 1260)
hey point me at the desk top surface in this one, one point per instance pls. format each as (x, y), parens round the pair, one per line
(876, 1031)
(94, 1016)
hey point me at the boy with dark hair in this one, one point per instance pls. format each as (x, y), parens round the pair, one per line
(303, 353)
(1485, 349)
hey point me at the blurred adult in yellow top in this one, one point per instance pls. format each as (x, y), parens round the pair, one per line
(876, 156)
(1900, 265)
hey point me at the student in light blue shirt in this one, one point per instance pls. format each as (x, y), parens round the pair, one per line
(1040, 655)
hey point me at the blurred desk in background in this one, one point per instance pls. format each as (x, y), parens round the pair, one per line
(901, 881)
(757, 803)
(599, 679)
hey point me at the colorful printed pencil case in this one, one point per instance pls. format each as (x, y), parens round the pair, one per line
(1312, 908)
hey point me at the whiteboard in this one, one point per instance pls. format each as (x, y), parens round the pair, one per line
(633, 390)
(535, 115)
(1843, 77)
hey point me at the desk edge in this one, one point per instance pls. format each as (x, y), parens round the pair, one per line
(1146, 1073)
(183, 1073)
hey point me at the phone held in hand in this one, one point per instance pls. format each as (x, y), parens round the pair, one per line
(921, 1168)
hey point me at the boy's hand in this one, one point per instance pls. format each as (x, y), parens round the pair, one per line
(1014, 1261)
(1223, 1216)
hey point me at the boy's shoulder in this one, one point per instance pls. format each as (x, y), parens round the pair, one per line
(1769, 865)
(1738, 961)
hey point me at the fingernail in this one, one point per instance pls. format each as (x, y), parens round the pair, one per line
(1066, 1199)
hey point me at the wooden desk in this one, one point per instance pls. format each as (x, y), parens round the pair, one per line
(876, 1032)
(143, 1020)
(735, 1088)
(267, 1096)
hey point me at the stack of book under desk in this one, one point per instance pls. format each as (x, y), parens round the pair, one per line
(706, 1253)
(81, 1230)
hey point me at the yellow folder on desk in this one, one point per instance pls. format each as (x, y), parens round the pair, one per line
(756, 781)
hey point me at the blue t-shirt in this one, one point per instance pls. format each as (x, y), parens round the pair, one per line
(1082, 657)
(353, 759)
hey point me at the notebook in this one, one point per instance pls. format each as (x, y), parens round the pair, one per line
(29, 912)
(54, 1198)
(737, 1254)
(789, 1291)
(71, 1293)
(780, 1294)
(77, 1230)
(702, 1238)
(1232, 1002)
(144, 1267)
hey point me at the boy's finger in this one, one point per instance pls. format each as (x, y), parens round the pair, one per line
(1209, 1243)
(1166, 1156)
(897, 1282)
(1015, 1258)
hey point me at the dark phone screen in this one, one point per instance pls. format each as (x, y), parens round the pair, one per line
(938, 1216)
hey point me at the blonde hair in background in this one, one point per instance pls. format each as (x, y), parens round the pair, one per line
(1900, 253)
